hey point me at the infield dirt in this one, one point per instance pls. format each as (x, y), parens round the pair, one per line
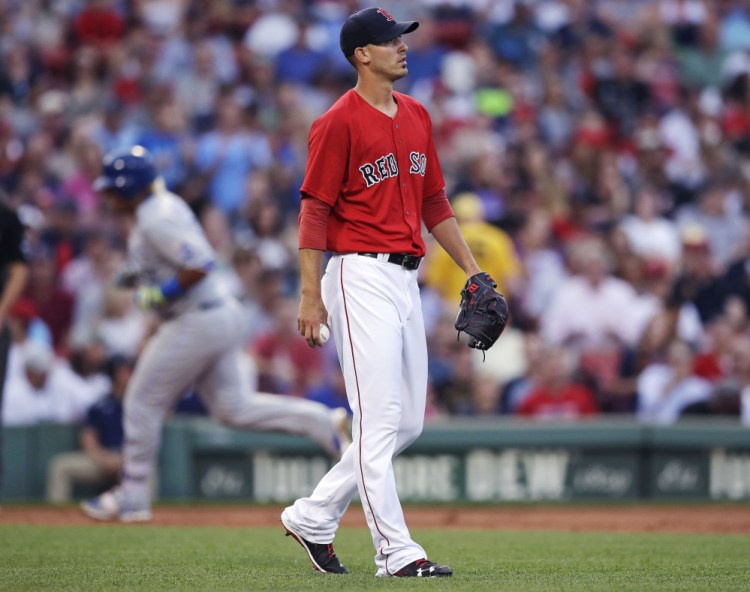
(708, 519)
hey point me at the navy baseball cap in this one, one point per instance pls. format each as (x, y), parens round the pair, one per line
(371, 25)
(126, 171)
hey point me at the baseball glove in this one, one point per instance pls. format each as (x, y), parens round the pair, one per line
(483, 313)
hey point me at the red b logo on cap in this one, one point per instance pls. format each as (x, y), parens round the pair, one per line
(386, 14)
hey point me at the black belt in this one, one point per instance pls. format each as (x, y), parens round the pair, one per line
(406, 261)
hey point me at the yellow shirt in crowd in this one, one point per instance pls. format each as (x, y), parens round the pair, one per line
(493, 250)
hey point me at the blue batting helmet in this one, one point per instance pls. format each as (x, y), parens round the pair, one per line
(126, 172)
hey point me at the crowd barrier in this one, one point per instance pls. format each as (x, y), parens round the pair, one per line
(459, 461)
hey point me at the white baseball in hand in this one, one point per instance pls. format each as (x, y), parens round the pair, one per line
(325, 333)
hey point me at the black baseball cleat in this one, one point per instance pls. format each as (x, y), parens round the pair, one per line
(323, 556)
(422, 568)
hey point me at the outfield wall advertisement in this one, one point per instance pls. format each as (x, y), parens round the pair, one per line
(508, 463)
(494, 476)
(475, 462)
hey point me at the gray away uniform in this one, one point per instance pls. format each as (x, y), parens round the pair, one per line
(199, 344)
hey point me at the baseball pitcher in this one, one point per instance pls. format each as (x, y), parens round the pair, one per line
(372, 179)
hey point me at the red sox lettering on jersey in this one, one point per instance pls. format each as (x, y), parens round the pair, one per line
(374, 171)
(386, 167)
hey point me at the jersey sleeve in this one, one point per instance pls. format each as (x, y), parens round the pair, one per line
(327, 158)
(180, 241)
(435, 209)
(313, 222)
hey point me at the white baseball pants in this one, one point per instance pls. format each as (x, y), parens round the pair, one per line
(204, 349)
(375, 314)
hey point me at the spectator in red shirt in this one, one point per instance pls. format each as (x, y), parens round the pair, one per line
(716, 356)
(557, 394)
(286, 365)
(99, 24)
(54, 304)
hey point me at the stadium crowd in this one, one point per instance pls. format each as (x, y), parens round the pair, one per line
(596, 152)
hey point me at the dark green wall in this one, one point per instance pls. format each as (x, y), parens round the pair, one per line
(476, 461)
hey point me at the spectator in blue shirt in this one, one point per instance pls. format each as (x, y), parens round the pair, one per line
(229, 153)
(99, 461)
(300, 64)
(166, 140)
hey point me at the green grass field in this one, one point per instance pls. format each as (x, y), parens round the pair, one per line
(137, 557)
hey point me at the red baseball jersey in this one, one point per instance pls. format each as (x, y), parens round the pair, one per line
(374, 171)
